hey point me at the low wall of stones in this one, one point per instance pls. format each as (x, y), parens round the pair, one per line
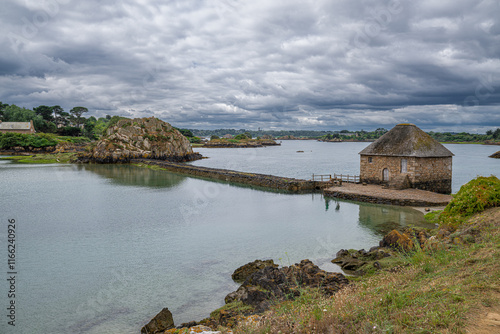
(259, 180)
(379, 200)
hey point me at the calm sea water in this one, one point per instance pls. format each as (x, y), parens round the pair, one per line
(102, 249)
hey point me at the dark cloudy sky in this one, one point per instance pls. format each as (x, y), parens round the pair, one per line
(274, 64)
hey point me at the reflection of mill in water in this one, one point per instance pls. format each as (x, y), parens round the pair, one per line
(382, 218)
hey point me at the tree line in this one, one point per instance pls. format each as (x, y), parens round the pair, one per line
(360, 135)
(53, 119)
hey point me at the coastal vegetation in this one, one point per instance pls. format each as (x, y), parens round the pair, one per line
(40, 140)
(45, 158)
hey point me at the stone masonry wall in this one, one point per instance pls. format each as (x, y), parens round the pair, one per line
(433, 174)
(371, 172)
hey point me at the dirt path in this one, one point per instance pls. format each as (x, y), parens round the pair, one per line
(378, 194)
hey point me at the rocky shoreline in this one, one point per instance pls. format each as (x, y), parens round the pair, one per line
(264, 284)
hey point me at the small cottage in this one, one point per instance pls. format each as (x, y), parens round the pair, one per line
(407, 157)
(17, 127)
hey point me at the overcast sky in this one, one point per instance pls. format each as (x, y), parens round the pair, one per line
(336, 64)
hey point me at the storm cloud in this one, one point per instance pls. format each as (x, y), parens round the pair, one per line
(269, 64)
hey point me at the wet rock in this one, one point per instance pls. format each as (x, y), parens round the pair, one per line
(160, 323)
(243, 272)
(397, 241)
(275, 284)
(353, 260)
(495, 155)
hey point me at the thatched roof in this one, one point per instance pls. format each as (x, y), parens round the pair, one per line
(407, 140)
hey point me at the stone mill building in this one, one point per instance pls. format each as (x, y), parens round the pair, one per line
(407, 157)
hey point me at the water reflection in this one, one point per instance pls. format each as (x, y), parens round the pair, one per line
(128, 175)
(380, 219)
(384, 218)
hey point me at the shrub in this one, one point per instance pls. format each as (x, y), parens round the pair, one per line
(241, 136)
(475, 196)
(10, 140)
(194, 140)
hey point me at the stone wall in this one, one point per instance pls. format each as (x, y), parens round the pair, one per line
(433, 174)
(259, 180)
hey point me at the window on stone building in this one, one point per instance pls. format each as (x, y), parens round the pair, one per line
(404, 166)
(370, 159)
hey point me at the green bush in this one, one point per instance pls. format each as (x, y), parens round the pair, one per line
(475, 196)
(241, 136)
(195, 140)
(10, 140)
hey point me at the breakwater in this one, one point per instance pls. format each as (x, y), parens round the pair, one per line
(259, 180)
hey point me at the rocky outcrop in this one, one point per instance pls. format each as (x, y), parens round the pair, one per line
(495, 155)
(397, 241)
(272, 284)
(160, 323)
(356, 261)
(246, 270)
(148, 138)
(66, 147)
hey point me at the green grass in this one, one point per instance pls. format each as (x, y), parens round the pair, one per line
(58, 158)
(153, 167)
(232, 307)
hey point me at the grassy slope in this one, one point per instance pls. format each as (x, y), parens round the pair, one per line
(446, 290)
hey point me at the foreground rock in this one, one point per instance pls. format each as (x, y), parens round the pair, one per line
(495, 155)
(260, 289)
(248, 269)
(357, 262)
(136, 138)
(273, 284)
(398, 241)
(160, 323)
